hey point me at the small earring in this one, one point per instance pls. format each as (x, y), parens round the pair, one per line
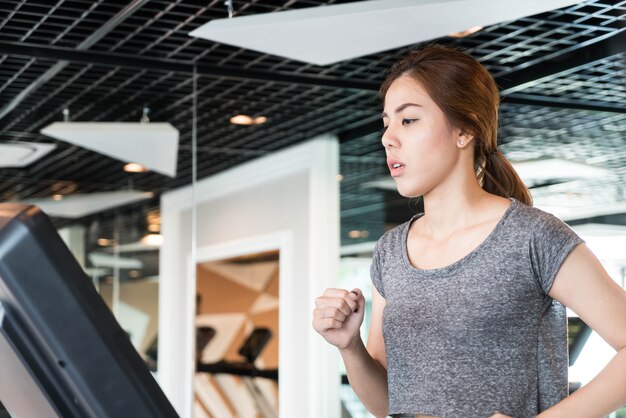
(462, 143)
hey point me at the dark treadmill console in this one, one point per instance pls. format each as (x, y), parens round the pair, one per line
(62, 353)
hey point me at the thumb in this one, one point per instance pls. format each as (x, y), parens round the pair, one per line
(357, 296)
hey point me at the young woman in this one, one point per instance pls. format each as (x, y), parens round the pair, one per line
(468, 303)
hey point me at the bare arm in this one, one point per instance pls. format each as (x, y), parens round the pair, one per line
(338, 316)
(584, 286)
(367, 367)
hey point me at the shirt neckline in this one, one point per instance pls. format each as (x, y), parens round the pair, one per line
(451, 267)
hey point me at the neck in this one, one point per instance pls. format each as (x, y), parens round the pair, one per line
(454, 206)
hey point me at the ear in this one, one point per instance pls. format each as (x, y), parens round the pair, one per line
(464, 135)
(463, 138)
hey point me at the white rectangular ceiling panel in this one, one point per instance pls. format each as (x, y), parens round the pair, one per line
(79, 205)
(108, 260)
(329, 34)
(153, 145)
(21, 154)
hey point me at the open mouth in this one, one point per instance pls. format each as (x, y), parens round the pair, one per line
(396, 169)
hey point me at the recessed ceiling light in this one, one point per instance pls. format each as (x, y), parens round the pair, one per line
(242, 120)
(135, 168)
(64, 187)
(248, 120)
(358, 234)
(465, 33)
(154, 240)
(154, 217)
(104, 242)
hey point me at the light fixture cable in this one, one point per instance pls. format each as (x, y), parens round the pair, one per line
(229, 5)
(191, 311)
(144, 115)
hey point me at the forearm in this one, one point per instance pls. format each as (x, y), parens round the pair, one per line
(367, 378)
(598, 398)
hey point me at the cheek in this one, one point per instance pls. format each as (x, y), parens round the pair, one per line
(432, 145)
(433, 158)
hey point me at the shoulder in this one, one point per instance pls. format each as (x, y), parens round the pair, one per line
(391, 240)
(539, 220)
(532, 217)
(550, 241)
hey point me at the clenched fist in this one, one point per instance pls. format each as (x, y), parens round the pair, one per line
(338, 315)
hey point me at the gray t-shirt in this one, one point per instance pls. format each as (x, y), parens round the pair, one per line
(480, 335)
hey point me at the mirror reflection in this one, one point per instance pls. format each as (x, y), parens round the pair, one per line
(237, 337)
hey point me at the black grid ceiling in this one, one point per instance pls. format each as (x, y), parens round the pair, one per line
(593, 138)
(158, 30)
(596, 81)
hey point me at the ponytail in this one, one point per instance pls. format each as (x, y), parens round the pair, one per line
(497, 176)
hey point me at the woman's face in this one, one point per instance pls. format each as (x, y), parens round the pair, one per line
(417, 136)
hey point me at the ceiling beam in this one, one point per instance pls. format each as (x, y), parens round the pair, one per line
(547, 101)
(580, 55)
(164, 64)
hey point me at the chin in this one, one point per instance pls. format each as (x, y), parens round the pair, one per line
(409, 191)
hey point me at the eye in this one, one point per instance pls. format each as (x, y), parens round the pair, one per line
(408, 121)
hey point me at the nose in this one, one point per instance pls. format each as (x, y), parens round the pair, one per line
(389, 139)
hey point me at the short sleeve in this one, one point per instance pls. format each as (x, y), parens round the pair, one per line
(551, 242)
(375, 270)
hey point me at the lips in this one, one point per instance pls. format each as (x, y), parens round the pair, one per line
(391, 163)
(395, 167)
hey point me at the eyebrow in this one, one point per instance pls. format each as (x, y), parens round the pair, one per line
(401, 108)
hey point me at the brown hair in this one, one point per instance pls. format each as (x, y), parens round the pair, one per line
(468, 96)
